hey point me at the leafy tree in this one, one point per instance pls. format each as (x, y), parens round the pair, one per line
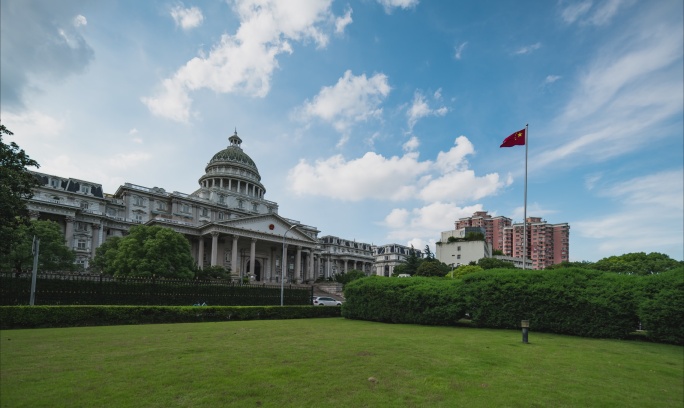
(148, 251)
(566, 264)
(493, 263)
(105, 255)
(16, 185)
(345, 278)
(432, 267)
(408, 266)
(53, 254)
(637, 263)
(428, 254)
(213, 272)
(463, 270)
(497, 252)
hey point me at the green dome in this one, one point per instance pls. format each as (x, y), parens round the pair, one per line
(233, 154)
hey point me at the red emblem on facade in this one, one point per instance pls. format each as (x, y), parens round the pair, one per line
(271, 226)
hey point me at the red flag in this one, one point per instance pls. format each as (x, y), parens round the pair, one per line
(516, 139)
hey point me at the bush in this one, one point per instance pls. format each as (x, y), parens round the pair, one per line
(417, 300)
(345, 278)
(661, 310)
(24, 317)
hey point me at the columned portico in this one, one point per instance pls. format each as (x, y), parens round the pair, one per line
(214, 248)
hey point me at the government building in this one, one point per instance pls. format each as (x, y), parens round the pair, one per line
(227, 221)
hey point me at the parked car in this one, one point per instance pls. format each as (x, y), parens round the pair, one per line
(326, 301)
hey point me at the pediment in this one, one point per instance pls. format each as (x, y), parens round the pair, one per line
(269, 224)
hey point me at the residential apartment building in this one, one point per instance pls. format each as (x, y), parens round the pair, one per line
(493, 227)
(340, 255)
(387, 257)
(547, 244)
(454, 250)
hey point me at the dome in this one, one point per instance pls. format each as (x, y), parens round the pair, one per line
(233, 154)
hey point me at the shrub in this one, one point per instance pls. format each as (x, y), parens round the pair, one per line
(661, 310)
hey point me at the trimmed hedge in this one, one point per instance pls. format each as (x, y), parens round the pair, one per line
(574, 301)
(25, 317)
(662, 307)
(415, 300)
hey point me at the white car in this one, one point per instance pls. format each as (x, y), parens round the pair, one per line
(326, 301)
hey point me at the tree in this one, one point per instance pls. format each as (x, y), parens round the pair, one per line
(345, 278)
(408, 266)
(105, 255)
(53, 254)
(637, 263)
(566, 264)
(428, 254)
(16, 185)
(148, 251)
(463, 270)
(213, 272)
(432, 267)
(493, 263)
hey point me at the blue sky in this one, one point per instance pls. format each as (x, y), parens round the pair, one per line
(374, 120)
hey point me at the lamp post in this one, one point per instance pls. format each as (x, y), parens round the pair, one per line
(282, 268)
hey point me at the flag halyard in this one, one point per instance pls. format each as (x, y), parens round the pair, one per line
(515, 139)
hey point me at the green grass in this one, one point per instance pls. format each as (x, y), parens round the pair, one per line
(328, 363)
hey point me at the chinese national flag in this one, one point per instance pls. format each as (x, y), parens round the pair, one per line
(516, 139)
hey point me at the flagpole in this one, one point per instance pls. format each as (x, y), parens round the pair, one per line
(527, 142)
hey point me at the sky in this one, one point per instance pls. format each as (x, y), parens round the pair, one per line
(378, 121)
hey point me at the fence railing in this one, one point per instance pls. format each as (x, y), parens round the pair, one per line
(86, 289)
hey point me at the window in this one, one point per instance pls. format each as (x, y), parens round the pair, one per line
(81, 226)
(111, 212)
(458, 256)
(138, 217)
(221, 199)
(84, 205)
(54, 183)
(205, 212)
(137, 200)
(161, 205)
(85, 189)
(240, 204)
(458, 248)
(220, 216)
(255, 207)
(185, 208)
(81, 244)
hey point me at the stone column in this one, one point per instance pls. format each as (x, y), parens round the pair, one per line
(214, 247)
(200, 255)
(252, 255)
(272, 273)
(346, 264)
(311, 265)
(298, 266)
(233, 257)
(69, 233)
(95, 239)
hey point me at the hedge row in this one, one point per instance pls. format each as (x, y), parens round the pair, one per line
(24, 317)
(51, 290)
(567, 301)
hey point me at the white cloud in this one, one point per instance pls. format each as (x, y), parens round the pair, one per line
(459, 50)
(551, 79)
(351, 100)
(586, 12)
(34, 124)
(369, 177)
(79, 21)
(631, 88)
(420, 109)
(389, 5)
(411, 144)
(574, 11)
(642, 220)
(187, 18)
(342, 22)
(244, 62)
(528, 49)
(426, 222)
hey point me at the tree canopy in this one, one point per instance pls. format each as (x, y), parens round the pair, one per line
(493, 263)
(637, 263)
(53, 254)
(147, 251)
(432, 267)
(463, 270)
(345, 278)
(16, 185)
(408, 266)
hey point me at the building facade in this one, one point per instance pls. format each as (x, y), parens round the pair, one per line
(453, 250)
(493, 227)
(227, 221)
(547, 244)
(387, 257)
(340, 255)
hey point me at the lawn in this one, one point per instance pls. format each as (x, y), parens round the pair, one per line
(330, 362)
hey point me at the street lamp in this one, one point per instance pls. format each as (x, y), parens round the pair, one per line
(282, 268)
